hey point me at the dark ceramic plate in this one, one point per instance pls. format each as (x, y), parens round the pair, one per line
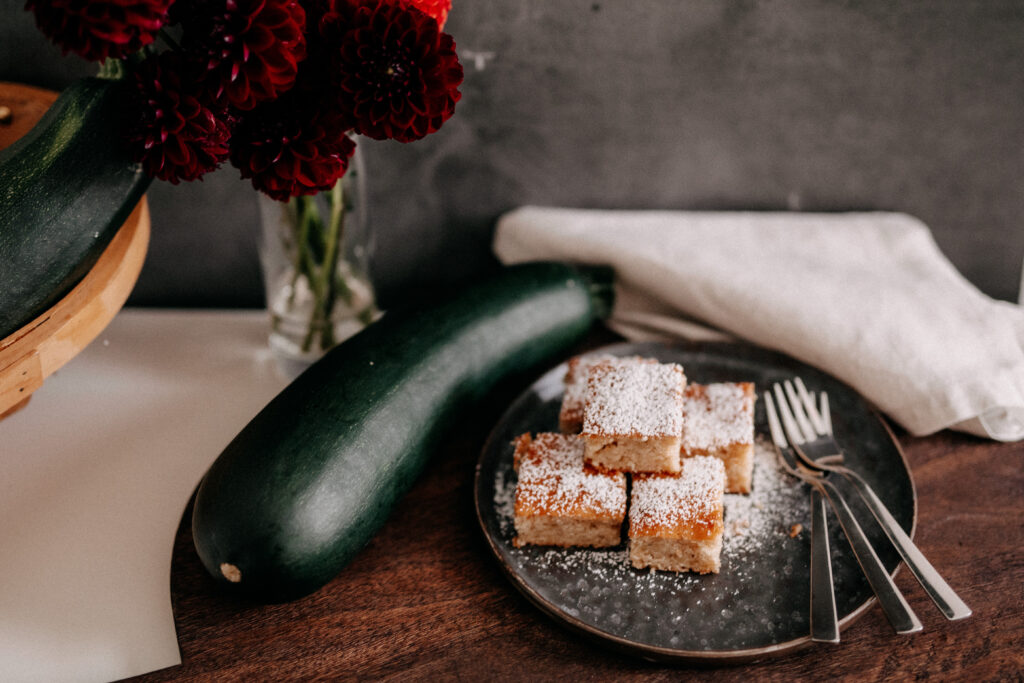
(758, 604)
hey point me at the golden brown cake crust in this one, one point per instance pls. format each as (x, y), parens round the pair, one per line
(676, 521)
(560, 500)
(632, 419)
(718, 420)
(688, 505)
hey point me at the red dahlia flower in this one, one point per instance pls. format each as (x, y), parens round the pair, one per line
(252, 48)
(172, 130)
(397, 72)
(99, 29)
(436, 8)
(290, 148)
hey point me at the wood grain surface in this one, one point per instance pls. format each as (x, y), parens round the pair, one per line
(427, 601)
(25, 105)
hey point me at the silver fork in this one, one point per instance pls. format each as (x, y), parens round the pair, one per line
(893, 603)
(813, 442)
(824, 620)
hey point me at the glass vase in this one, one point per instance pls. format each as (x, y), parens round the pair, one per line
(314, 252)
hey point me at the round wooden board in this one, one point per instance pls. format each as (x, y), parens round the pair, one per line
(34, 352)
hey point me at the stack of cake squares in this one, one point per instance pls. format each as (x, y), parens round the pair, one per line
(682, 447)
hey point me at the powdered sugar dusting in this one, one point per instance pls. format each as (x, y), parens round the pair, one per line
(576, 385)
(553, 479)
(760, 596)
(753, 523)
(663, 504)
(776, 502)
(634, 399)
(716, 415)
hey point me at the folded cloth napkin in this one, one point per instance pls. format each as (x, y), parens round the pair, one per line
(867, 297)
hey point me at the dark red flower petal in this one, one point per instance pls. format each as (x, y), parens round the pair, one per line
(252, 48)
(290, 147)
(173, 130)
(100, 29)
(397, 72)
(438, 9)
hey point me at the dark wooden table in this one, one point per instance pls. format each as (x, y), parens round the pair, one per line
(427, 600)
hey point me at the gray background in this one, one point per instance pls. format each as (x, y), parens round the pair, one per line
(785, 104)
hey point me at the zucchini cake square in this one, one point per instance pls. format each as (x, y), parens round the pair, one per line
(562, 501)
(570, 416)
(718, 420)
(676, 521)
(633, 416)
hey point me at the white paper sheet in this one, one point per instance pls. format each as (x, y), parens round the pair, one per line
(95, 474)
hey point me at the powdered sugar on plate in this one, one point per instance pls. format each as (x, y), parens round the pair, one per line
(760, 598)
(764, 516)
(776, 502)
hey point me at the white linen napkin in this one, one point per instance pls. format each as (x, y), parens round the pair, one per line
(867, 297)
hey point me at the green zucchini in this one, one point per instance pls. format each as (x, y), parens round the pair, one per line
(312, 477)
(66, 187)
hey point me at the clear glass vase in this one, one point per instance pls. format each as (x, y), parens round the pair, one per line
(315, 254)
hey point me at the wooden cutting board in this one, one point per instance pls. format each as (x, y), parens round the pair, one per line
(34, 352)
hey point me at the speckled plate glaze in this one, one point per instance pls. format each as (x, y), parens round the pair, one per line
(757, 606)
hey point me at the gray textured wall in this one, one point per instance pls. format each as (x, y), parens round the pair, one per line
(815, 104)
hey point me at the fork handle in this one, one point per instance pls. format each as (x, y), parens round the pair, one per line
(895, 606)
(944, 597)
(824, 621)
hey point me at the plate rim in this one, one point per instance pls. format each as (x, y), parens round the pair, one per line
(654, 652)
